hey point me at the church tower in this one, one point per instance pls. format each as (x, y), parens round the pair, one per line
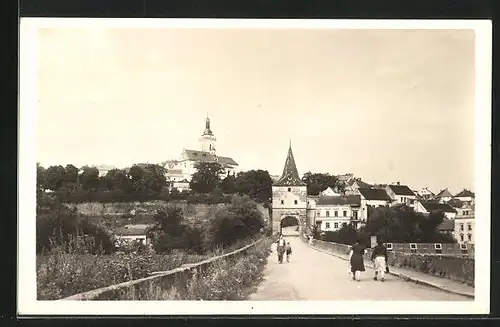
(289, 196)
(207, 139)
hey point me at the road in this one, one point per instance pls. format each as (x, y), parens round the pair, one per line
(318, 276)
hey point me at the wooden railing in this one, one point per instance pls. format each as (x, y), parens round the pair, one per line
(176, 278)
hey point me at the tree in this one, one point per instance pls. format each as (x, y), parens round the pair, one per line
(228, 185)
(89, 178)
(55, 177)
(71, 174)
(256, 184)
(318, 182)
(118, 180)
(148, 179)
(206, 177)
(41, 177)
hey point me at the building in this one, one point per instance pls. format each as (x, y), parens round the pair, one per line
(425, 194)
(330, 192)
(181, 171)
(371, 197)
(401, 194)
(427, 207)
(130, 233)
(465, 196)
(354, 184)
(464, 229)
(104, 169)
(289, 196)
(444, 196)
(333, 212)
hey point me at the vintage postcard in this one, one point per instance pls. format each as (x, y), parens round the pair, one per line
(219, 166)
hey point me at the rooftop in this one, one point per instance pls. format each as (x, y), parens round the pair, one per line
(290, 175)
(208, 157)
(434, 206)
(401, 190)
(374, 194)
(444, 193)
(339, 200)
(129, 230)
(465, 193)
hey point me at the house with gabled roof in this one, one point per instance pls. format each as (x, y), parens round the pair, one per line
(425, 194)
(372, 197)
(444, 196)
(355, 184)
(427, 207)
(465, 196)
(401, 194)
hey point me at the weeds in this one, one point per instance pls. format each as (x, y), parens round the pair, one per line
(230, 278)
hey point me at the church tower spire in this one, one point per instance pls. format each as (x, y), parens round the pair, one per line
(290, 175)
(207, 131)
(207, 139)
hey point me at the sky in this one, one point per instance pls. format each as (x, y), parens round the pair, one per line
(386, 105)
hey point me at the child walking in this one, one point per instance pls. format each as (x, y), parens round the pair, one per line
(288, 251)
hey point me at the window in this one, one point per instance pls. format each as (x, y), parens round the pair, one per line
(336, 225)
(282, 202)
(328, 213)
(469, 237)
(318, 213)
(327, 225)
(344, 224)
(336, 214)
(461, 227)
(469, 226)
(289, 189)
(461, 237)
(344, 213)
(295, 201)
(355, 214)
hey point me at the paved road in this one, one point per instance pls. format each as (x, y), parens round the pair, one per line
(316, 276)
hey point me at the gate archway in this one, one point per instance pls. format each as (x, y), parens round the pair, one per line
(290, 225)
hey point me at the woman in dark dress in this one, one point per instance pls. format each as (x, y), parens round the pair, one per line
(357, 262)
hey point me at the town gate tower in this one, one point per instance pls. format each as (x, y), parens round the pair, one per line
(289, 196)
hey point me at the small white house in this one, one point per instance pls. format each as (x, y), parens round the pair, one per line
(401, 194)
(372, 197)
(425, 194)
(130, 233)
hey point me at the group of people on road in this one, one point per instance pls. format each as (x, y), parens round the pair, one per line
(283, 247)
(378, 257)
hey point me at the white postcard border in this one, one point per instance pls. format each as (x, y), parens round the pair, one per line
(27, 303)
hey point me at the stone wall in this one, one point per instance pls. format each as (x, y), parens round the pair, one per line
(454, 267)
(195, 211)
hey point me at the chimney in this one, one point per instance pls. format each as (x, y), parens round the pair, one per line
(397, 183)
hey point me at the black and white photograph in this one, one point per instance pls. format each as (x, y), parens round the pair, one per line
(224, 166)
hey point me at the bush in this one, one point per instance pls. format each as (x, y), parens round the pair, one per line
(61, 274)
(57, 225)
(233, 278)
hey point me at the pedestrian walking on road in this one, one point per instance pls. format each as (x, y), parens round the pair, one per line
(356, 260)
(288, 251)
(379, 258)
(281, 248)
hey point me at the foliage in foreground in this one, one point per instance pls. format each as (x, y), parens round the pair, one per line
(61, 274)
(227, 279)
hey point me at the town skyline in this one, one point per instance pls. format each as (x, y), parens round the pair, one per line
(404, 113)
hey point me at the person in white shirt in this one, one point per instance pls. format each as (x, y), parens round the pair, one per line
(281, 248)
